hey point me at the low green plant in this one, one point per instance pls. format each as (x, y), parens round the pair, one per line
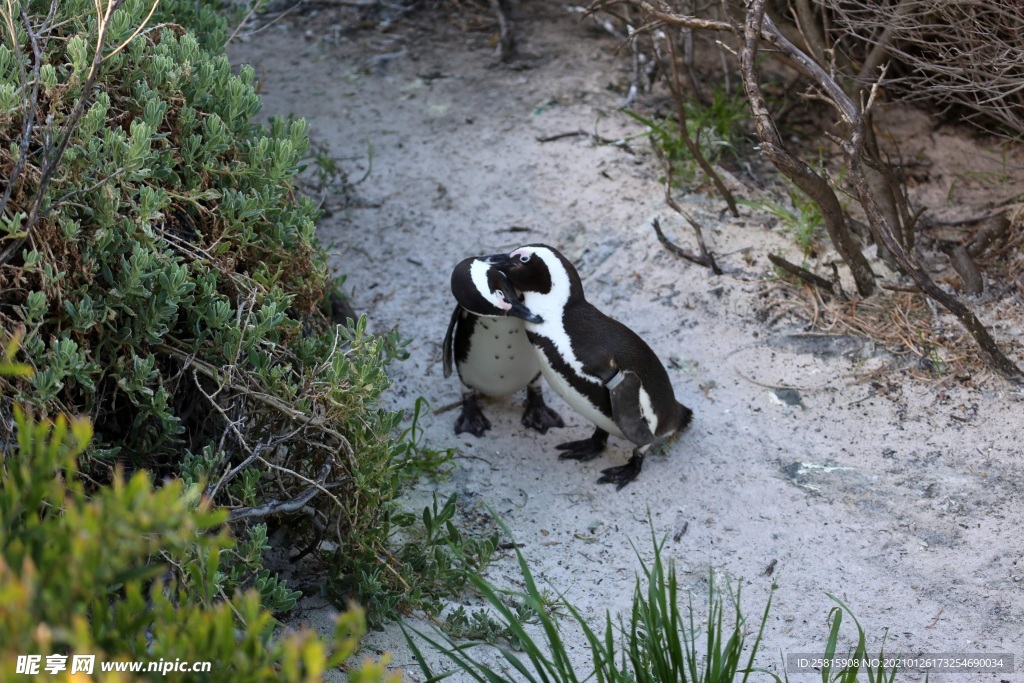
(801, 218)
(414, 458)
(714, 128)
(480, 624)
(722, 116)
(433, 559)
(658, 644)
(858, 655)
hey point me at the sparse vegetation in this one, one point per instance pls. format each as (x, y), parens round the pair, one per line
(803, 221)
(713, 128)
(658, 642)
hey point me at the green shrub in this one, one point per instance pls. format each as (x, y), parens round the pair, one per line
(165, 278)
(161, 268)
(85, 574)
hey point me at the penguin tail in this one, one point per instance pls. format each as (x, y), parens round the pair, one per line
(683, 417)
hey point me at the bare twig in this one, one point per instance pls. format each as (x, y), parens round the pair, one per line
(671, 18)
(447, 408)
(506, 37)
(280, 507)
(803, 274)
(560, 136)
(594, 137)
(692, 145)
(704, 259)
(28, 104)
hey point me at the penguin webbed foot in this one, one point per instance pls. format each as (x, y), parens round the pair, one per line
(471, 419)
(584, 449)
(538, 416)
(541, 418)
(623, 474)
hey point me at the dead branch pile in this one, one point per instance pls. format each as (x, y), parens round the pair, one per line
(967, 55)
(809, 46)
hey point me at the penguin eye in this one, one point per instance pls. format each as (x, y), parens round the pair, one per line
(524, 258)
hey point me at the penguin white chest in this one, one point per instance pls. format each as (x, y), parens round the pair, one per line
(500, 359)
(580, 402)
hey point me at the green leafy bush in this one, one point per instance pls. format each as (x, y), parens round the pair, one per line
(161, 269)
(163, 273)
(85, 574)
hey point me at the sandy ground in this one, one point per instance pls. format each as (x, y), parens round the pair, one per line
(900, 497)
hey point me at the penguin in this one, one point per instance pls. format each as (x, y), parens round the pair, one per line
(488, 345)
(598, 365)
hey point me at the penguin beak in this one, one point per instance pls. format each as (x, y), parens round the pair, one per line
(518, 310)
(499, 261)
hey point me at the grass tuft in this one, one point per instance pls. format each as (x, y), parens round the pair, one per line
(659, 643)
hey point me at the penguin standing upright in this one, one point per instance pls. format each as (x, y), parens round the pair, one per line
(598, 365)
(488, 345)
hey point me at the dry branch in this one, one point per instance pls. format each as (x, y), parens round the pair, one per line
(802, 175)
(877, 188)
(854, 150)
(964, 54)
(684, 133)
(968, 271)
(281, 507)
(704, 259)
(804, 274)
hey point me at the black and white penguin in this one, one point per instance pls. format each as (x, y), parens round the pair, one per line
(598, 365)
(488, 345)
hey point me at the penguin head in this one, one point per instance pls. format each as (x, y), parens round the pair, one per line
(484, 290)
(547, 279)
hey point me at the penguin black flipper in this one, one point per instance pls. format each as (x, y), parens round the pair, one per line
(448, 346)
(624, 389)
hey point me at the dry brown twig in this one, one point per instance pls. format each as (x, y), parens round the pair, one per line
(706, 258)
